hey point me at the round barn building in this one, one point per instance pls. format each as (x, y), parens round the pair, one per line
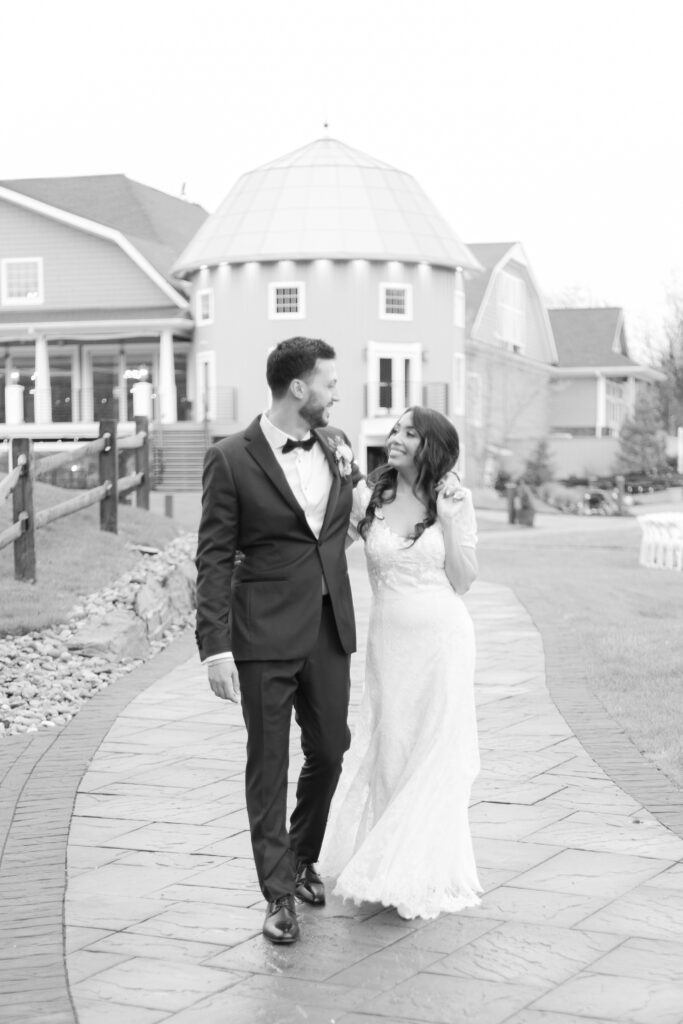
(329, 242)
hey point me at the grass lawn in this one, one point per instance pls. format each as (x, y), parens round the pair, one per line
(627, 621)
(74, 558)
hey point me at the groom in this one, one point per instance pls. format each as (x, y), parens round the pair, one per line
(274, 611)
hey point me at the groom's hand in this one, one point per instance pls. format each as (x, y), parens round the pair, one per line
(224, 679)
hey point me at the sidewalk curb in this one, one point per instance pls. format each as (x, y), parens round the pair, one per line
(41, 778)
(601, 735)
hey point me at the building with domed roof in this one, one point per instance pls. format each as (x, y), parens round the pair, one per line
(328, 242)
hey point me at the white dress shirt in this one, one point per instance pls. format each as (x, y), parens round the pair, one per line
(309, 477)
(308, 473)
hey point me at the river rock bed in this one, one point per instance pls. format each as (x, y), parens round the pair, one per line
(47, 675)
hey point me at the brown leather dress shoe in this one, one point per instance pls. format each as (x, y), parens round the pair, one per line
(309, 885)
(281, 925)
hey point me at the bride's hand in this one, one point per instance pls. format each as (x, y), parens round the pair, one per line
(448, 483)
(451, 497)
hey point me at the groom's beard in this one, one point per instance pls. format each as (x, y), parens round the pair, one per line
(314, 414)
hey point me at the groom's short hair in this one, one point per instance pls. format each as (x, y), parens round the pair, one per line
(294, 359)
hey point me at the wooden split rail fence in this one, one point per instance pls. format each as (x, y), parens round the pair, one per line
(19, 483)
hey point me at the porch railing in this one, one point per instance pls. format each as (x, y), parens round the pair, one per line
(73, 405)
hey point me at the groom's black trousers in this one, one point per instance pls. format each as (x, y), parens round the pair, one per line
(317, 687)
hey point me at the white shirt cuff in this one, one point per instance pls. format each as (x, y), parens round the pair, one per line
(223, 656)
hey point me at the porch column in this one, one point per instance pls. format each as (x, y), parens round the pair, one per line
(87, 386)
(600, 405)
(42, 402)
(76, 386)
(122, 388)
(168, 400)
(630, 392)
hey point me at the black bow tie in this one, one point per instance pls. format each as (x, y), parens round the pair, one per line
(290, 445)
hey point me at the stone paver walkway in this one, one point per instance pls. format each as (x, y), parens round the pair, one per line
(581, 921)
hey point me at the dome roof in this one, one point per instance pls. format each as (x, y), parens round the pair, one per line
(325, 200)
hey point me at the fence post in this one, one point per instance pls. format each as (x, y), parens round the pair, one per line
(22, 496)
(109, 470)
(620, 481)
(142, 462)
(510, 490)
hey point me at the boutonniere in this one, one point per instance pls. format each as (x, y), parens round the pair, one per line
(342, 454)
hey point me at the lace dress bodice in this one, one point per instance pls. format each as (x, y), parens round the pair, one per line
(398, 565)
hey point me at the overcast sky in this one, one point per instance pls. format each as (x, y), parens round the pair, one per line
(557, 123)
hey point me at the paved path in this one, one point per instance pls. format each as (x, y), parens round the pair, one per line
(581, 921)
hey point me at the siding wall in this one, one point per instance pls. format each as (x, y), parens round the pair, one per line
(583, 456)
(80, 271)
(514, 388)
(342, 307)
(514, 406)
(573, 402)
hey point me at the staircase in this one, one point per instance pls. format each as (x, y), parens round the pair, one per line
(178, 455)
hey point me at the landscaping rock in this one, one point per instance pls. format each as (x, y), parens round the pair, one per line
(152, 607)
(122, 633)
(45, 677)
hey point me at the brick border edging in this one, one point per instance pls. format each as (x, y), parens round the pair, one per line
(39, 792)
(598, 732)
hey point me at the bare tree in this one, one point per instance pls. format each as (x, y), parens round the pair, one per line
(670, 362)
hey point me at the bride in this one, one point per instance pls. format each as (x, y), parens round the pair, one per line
(398, 832)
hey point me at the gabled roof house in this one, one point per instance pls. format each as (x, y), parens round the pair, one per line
(592, 389)
(88, 307)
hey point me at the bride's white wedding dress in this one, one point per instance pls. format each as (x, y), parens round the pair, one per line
(398, 832)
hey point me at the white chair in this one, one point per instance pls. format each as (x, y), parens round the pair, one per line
(646, 557)
(661, 543)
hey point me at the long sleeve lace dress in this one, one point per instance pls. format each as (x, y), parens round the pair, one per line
(398, 832)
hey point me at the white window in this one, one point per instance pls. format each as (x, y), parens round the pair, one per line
(458, 384)
(511, 310)
(615, 406)
(204, 306)
(394, 378)
(395, 301)
(21, 281)
(475, 404)
(286, 300)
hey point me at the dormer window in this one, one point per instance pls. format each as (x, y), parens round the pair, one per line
(511, 311)
(21, 281)
(286, 300)
(205, 306)
(395, 301)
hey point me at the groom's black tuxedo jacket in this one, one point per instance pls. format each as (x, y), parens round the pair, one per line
(266, 606)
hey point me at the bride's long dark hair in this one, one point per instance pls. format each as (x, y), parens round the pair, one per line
(437, 453)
